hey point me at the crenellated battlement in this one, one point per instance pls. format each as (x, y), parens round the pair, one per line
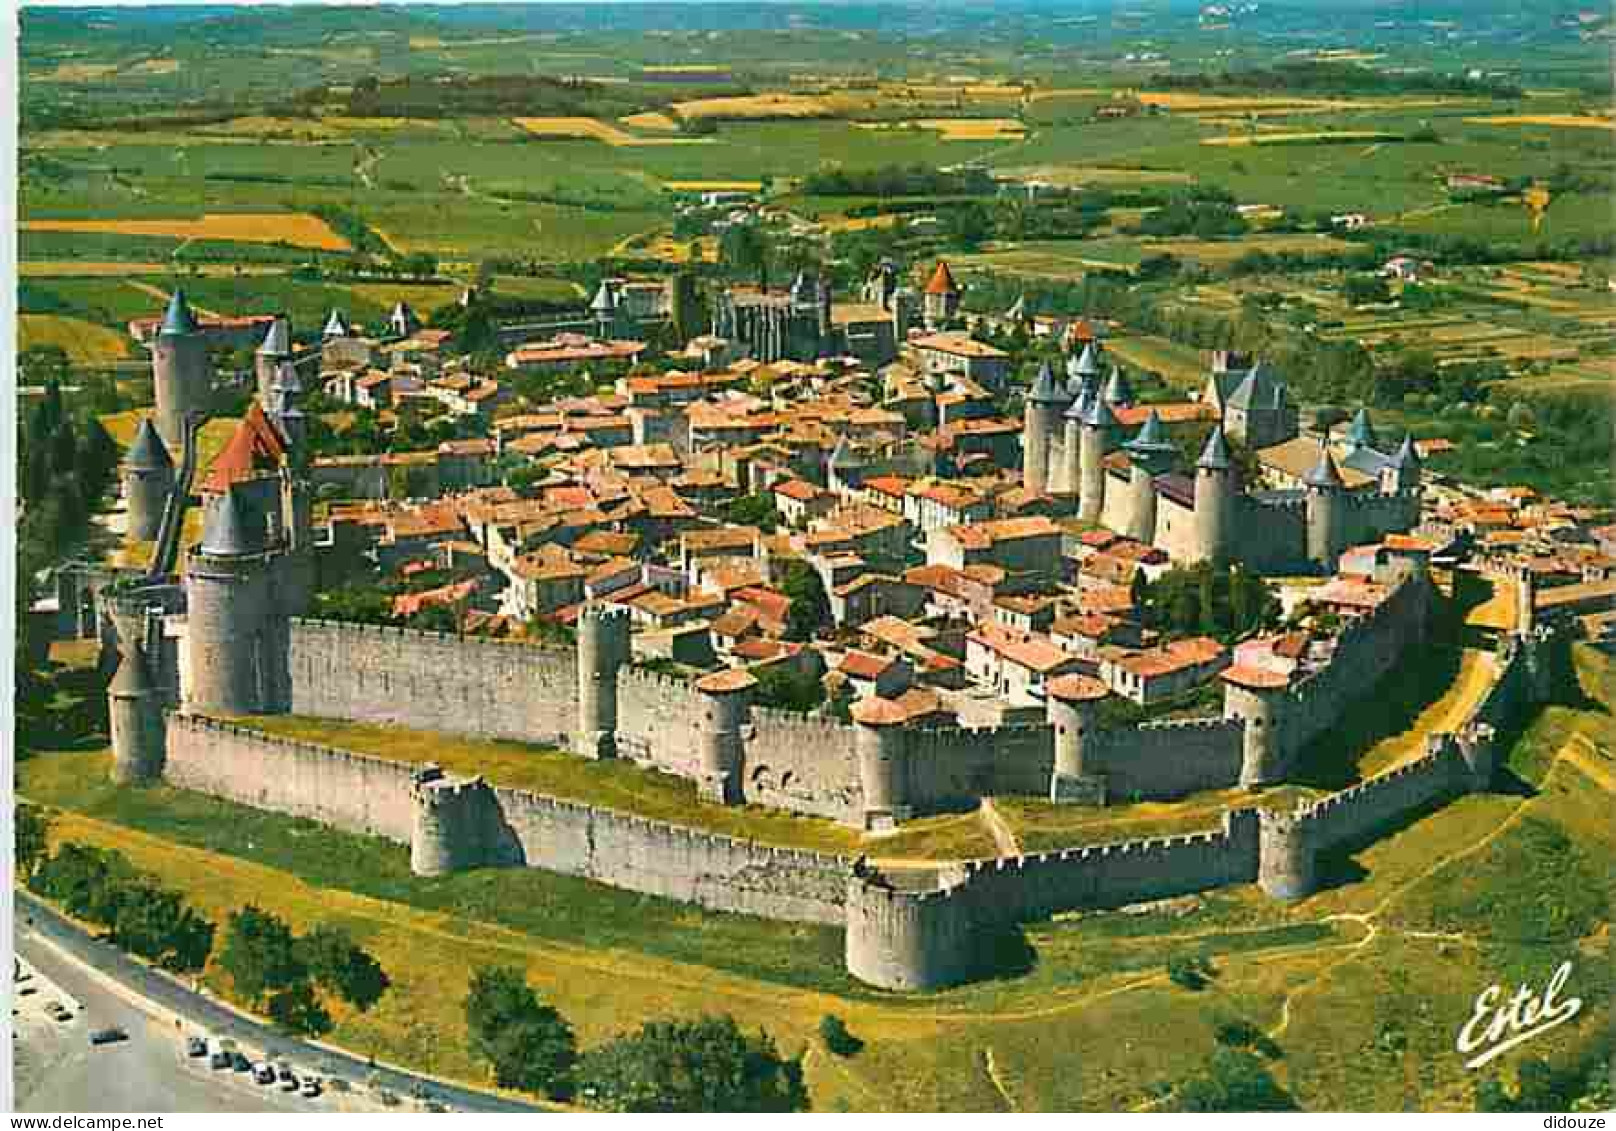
(1204, 723)
(425, 636)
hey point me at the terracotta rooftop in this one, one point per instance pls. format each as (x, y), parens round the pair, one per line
(1077, 688)
(254, 446)
(734, 679)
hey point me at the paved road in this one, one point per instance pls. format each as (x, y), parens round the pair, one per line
(158, 1079)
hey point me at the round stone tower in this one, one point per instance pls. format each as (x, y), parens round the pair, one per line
(1254, 695)
(603, 648)
(136, 718)
(275, 349)
(181, 376)
(908, 939)
(883, 774)
(1215, 494)
(1478, 747)
(1043, 401)
(229, 604)
(1149, 454)
(1070, 477)
(148, 477)
(726, 701)
(1325, 500)
(1287, 865)
(1099, 425)
(1070, 703)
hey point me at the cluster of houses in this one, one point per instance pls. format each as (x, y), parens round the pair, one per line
(700, 499)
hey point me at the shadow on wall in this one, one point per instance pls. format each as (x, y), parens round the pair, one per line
(1002, 953)
(1392, 707)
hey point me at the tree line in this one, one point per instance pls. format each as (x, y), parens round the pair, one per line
(289, 977)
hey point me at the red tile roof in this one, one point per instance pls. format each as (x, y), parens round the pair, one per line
(255, 446)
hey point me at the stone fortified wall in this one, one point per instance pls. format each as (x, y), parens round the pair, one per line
(917, 940)
(433, 681)
(452, 825)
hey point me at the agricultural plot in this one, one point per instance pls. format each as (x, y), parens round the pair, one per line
(296, 228)
(592, 128)
(84, 342)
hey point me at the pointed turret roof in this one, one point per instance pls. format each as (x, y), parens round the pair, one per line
(1152, 438)
(1407, 455)
(278, 339)
(1099, 414)
(1325, 473)
(605, 300)
(1215, 456)
(942, 280)
(1117, 389)
(1258, 389)
(1079, 408)
(225, 529)
(178, 319)
(1017, 311)
(1044, 388)
(336, 326)
(1362, 433)
(402, 312)
(148, 453)
(1088, 363)
(131, 680)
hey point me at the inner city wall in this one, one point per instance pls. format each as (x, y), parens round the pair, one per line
(805, 764)
(898, 935)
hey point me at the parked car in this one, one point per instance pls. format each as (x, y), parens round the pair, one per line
(240, 1063)
(289, 1082)
(196, 1046)
(111, 1035)
(283, 1071)
(264, 1074)
(311, 1087)
(338, 1084)
(219, 1060)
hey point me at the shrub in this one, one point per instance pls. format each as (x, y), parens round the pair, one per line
(838, 1039)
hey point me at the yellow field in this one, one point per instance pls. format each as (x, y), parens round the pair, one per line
(296, 228)
(755, 106)
(592, 128)
(1569, 121)
(713, 186)
(95, 268)
(650, 120)
(975, 129)
(75, 72)
(1276, 138)
(155, 67)
(83, 341)
(423, 300)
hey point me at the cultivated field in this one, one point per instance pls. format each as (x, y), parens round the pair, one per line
(598, 130)
(83, 341)
(296, 228)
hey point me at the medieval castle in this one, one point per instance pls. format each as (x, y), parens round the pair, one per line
(1073, 445)
(228, 637)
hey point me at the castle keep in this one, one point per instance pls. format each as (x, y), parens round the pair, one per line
(1073, 444)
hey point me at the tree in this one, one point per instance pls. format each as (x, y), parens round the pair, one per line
(684, 310)
(708, 1065)
(339, 964)
(1361, 290)
(836, 1036)
(83, 879)
(297, 1010)
(259, 954)
(810, 606)
(31, 838)
(752, 510)
(1232, 1080)
(744, 251)
(155, 923)
(528, 1044)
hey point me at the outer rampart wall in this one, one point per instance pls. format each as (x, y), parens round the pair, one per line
(433, 681)
(348, 791)
(657, 720)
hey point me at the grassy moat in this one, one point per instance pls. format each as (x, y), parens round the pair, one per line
(1363, 986)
